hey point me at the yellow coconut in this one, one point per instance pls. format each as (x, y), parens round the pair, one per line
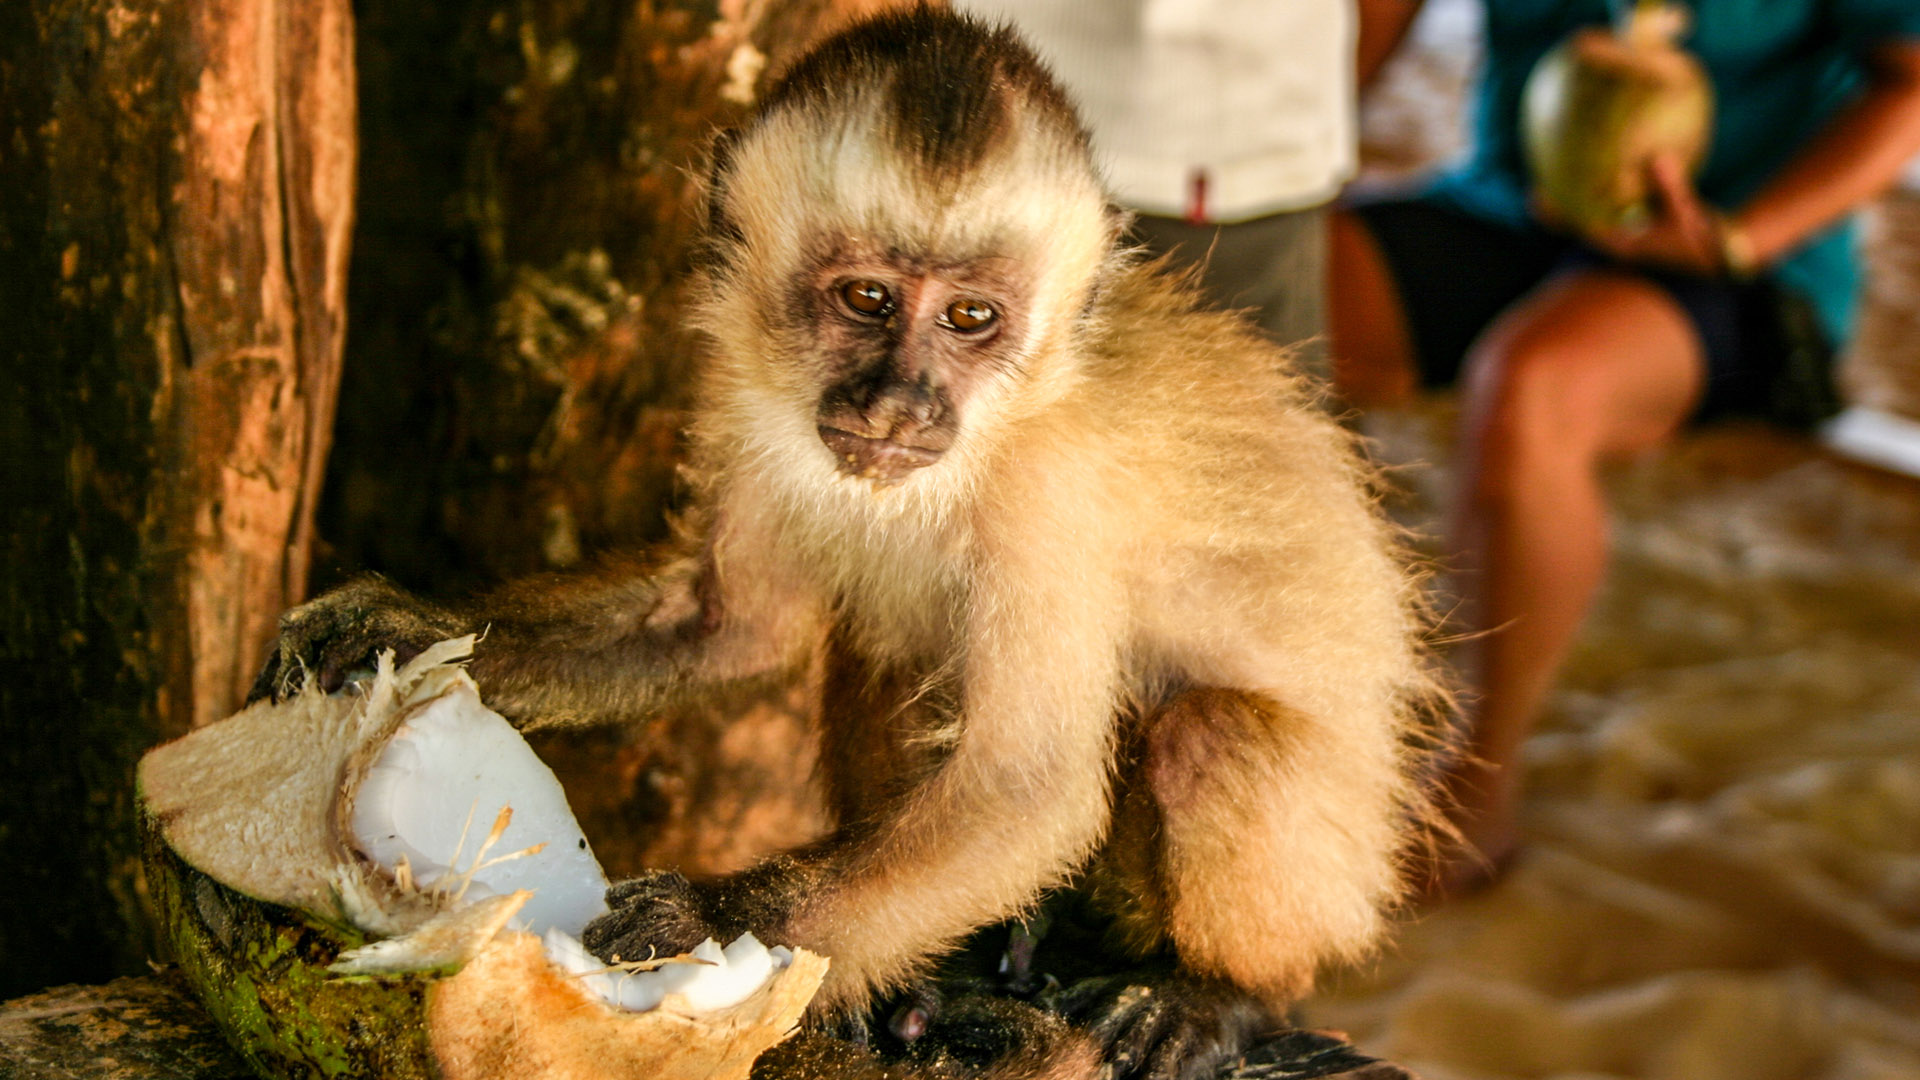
(1602, 105)
(317, 960)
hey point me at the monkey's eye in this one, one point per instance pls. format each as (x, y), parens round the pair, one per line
(867, 297)
(967, 316)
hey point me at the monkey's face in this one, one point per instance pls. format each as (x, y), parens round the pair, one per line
(902, 349)
(900, 257)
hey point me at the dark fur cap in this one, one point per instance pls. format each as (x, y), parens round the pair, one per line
(954, 82)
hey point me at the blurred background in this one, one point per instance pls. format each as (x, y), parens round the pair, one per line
(1720, 871)
(293, 290)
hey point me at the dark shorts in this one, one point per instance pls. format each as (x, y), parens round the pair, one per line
(1275, 267)
(1456, 272)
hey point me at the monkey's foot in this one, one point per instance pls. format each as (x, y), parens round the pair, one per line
(1166, 1026)
(1307, 1055)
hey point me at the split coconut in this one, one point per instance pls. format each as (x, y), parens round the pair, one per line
(1602, 106)
(387, 882)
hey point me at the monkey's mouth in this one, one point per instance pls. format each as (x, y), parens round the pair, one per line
(884, 460)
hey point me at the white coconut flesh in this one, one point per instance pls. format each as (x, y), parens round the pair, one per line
(428, 803)
(456, 829)
(712, 980)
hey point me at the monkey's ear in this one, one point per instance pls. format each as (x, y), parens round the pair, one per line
(722, 231)
(1119, 222)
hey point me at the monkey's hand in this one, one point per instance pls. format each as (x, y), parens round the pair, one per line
(343, 631)
(664, 914)
(658, 914)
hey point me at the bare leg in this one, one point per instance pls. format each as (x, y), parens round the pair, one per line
(1372, 348)
(1588, 367)
(1591, 366)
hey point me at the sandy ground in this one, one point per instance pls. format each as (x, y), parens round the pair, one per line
(1722, 877)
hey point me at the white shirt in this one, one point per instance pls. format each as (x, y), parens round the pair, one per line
(1214, 110)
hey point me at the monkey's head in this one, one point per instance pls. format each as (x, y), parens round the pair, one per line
(902, 239)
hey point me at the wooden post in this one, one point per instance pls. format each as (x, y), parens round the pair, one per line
(173, 250)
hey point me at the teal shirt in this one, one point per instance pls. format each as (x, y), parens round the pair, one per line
(1780, 70)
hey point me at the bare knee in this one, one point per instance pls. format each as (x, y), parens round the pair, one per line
(1276, 843)
(1529, 414)
(1588, 368)
(1186, 743)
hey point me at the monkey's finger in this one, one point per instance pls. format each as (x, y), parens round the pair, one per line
(614, 941)
(1147, 1029)
(619, 936)
(405, 651)
(332, 675)
(333, 664)
(1180, 1054)
(267, 683)
(1133, 1031)
(1082, 1001)
(1298, 1055)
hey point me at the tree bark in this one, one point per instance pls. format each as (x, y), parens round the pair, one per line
(517, 368)
(1879, 369)
(139, 1028)
(179, 183)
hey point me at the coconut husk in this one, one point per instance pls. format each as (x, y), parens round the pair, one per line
(261, 895)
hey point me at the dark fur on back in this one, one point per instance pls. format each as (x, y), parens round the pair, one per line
(954, 80)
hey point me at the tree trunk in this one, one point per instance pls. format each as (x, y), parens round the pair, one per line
(179, 189)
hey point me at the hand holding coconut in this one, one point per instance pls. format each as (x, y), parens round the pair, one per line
(1616, 124)
(325, 872)
(1681, 231)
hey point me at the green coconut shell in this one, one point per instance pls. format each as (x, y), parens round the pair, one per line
(259, 897)
(1596, 112)
(261, 971)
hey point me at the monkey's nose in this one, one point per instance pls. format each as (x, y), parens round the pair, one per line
(898, 412)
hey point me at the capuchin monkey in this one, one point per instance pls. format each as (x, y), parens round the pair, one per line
(1106, 607)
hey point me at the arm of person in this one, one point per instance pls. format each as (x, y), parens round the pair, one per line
(1855, 157)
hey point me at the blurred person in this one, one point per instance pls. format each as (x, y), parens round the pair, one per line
(1227, 126)
(1572, 352)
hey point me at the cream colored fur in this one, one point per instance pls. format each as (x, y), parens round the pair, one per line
(1148, 503)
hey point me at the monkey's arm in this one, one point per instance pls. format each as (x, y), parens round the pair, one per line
(578, 647)
(581, 648)
(1019, 801)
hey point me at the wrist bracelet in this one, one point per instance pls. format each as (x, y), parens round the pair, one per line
(1737, 257)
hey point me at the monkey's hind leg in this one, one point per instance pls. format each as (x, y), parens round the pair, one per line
(1157, 1022)
(1250, 845)
(1280, 835)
